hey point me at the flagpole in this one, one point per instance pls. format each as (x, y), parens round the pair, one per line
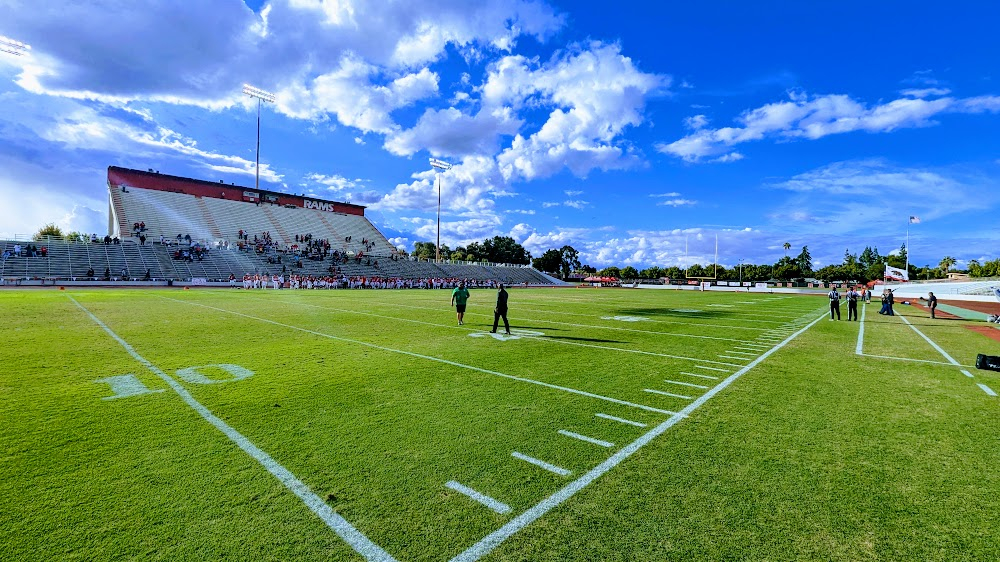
(907, 270)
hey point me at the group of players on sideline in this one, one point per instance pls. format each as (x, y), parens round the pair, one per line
(888, 299)
(294, 281)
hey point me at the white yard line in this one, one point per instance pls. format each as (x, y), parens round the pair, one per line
(621, 420)
(428, 358)
(360, 543)
(452, 326)
(861, 332)
(584, 438)
(494, 539)
(731, 357)
(542, 464)
(489, 502)
(754, 318)
(909, 359)
(967, 373)
(617, 328)
(663, 393)
(711, 368)
(699, 376)
(989, 391)
(928, 340)
(692, 385)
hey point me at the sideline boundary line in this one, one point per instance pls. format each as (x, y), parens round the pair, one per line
(928, 340)
(494, 539)
(353, 537)
(428, 357)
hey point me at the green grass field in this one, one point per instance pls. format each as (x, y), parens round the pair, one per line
(615, 425)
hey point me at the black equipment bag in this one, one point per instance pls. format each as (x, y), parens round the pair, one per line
(988, 362)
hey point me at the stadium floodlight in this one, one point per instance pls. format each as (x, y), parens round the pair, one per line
(440, 166)
(13, 47)
(261, 95)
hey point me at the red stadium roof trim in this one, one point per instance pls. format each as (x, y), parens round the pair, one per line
(177, 184)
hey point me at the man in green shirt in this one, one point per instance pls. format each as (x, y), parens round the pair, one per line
(458, 298)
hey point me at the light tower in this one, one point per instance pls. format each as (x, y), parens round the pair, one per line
(12, 47)
(440, 166)
(261, 95)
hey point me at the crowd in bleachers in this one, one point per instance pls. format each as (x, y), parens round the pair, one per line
(28, 251)
(258, 281)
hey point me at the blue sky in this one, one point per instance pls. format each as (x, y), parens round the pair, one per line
(630, 131)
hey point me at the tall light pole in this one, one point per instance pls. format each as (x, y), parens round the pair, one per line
(440, 166)
(741, 270)
(261, 95)
(12, 47)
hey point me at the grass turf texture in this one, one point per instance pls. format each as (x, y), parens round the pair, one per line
(815, 453)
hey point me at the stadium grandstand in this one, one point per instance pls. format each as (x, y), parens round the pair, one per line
(170, 228)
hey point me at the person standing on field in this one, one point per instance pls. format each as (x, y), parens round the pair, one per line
(834, 303)
(852, 304)
(932, 303)
(500, 311)
(459, 297)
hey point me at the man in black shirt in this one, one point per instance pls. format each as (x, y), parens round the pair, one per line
(500, 311)
(932, 303)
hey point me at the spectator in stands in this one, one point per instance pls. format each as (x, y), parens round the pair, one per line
(500, 311)
(142, 239)
(459, 298)
(7, 253)
(107, 274)
(44, 251)
(90, 274)
(146, 277)
(17, 250)
(124, 274)
(93, 238)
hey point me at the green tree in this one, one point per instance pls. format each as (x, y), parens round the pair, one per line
(946, 264)
(869, 257)
(651, 273)
(831, 273)
(549, 262)
(975, 269)
(787, 247)
(427, 250)
(75, 236)
(786, 270)
(695, 270)
(673, 272)
(504, 249)
(630, 272)
(804, 261)
(611, 272)
(48, 231)
(570, 260)
(588, 269)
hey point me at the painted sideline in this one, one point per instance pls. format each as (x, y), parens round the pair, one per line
(360, 543)
(491, 541)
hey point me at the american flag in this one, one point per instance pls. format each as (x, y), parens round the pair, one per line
(914, 220)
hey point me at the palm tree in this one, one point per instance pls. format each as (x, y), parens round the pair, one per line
(946, 263)
(787, 247)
